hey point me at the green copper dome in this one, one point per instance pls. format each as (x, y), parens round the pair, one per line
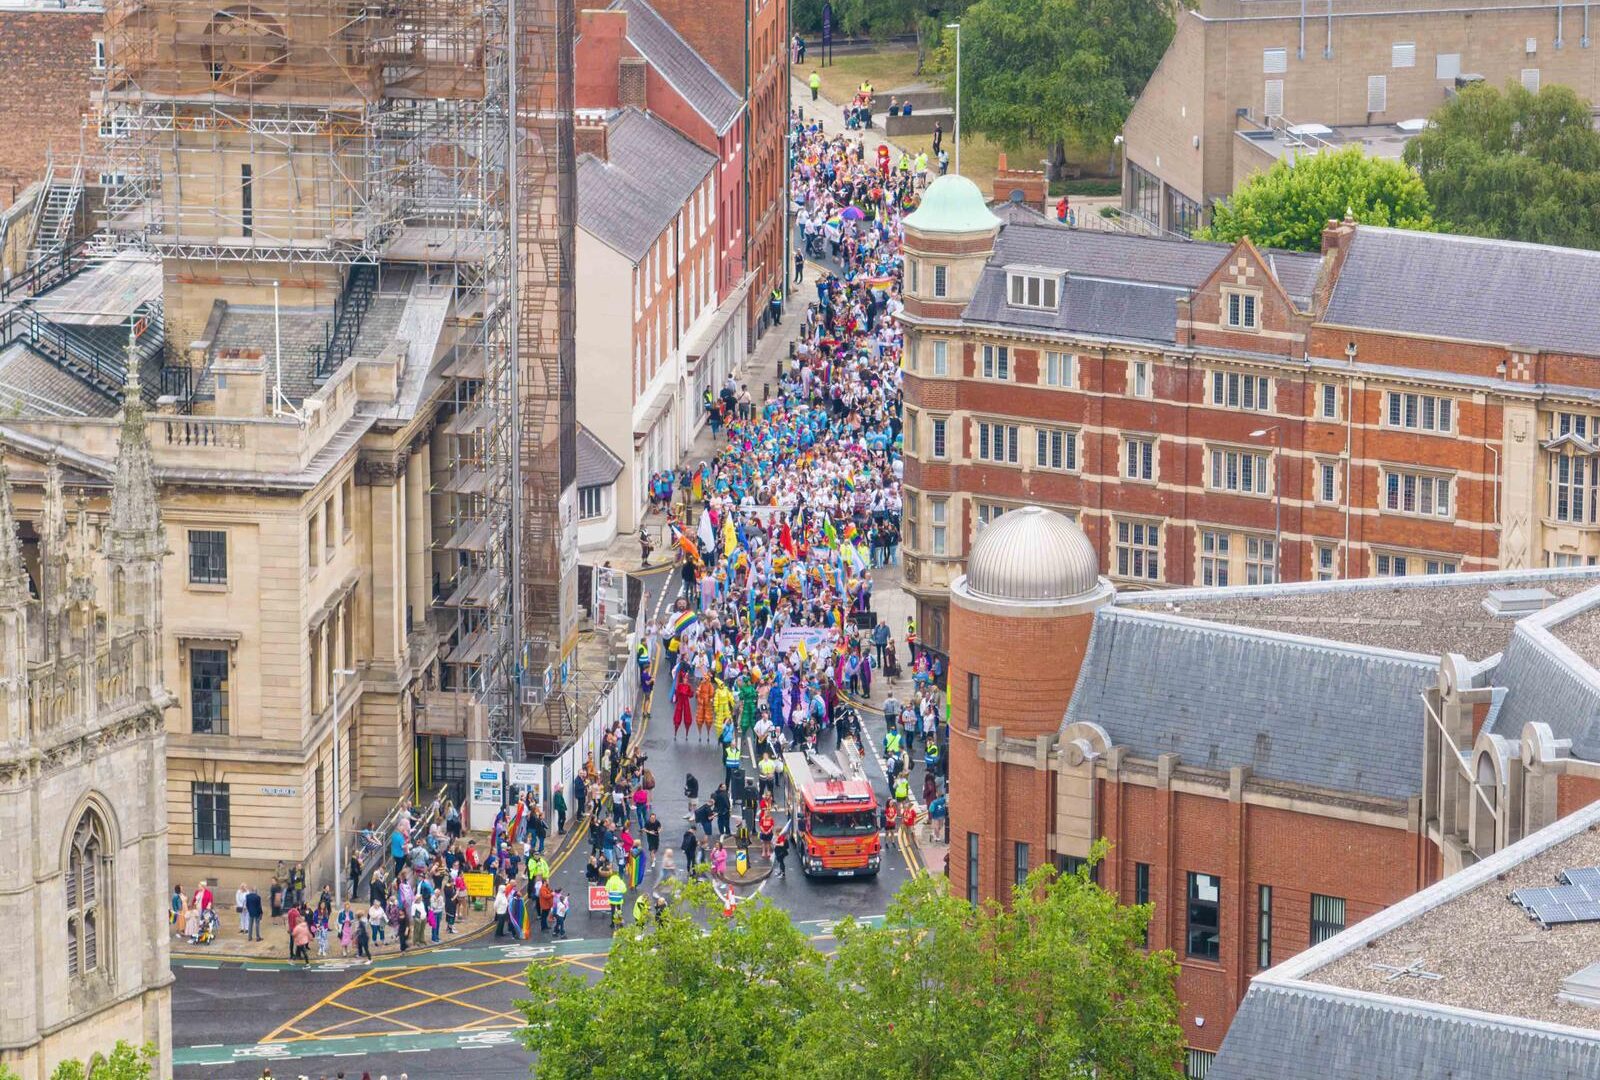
(952, 204)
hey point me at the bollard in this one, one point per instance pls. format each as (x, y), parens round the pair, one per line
(766, 391)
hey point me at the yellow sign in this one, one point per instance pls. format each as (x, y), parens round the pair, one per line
(480, 884)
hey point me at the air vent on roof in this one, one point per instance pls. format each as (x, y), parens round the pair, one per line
(1514, 603)
(1582, 987)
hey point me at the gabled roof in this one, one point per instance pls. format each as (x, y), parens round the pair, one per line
(650, 173)
(597, 465)
(684, 69)
(1467, 288)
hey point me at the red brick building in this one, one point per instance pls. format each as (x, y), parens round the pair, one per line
(747, 42)
(49, 63)
(1269, 763)
(1214, 414)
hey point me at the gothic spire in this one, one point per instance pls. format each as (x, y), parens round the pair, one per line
(135, 525)
(13, 579)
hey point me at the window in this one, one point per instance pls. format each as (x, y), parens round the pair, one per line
(1272, 98)
(1139, 456)
(1327, 917)
(1032, 290)
(1214, 548)
(1377, 93)
(208, 557)
(1233, 390)
(1572, 486)
(1403, 54)
(940, 275)
(347, 506)
(591, 502)
(1139, 378)
(910, 432)
(329, 516)
(941, 362)
(974, 697)
(208, 691)
(1198, 1063)
(1263, 927)
(1423, 494)
(1394, 564)
(1328, 401)
(996, 362)
(1530, 80)
(1059, 369)
(1139, 550)
(1057, 449)
(997, 443)
(1419, 412)
(940, 449)
(211, 829)
(1019, 862)
(1144, 198)
(916, 274)
(1325, 562)
(1566, 560)
(89, 876)
(247, 206)
(1141, 892)
(99, 55)
(1274, 61)
(312, 547)
(988, 512)
(1204, 924)
(972, 869)
(1579, 424)
(938, 512)
(1183, 213)
(322, 795)
(1239, 310)
(1446, 65)
(1260, 560)
(1239, 470)
(1327, 482)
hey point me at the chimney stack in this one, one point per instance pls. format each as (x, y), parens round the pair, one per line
(589, 135)
(631, 82)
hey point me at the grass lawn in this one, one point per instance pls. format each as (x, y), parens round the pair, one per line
(886, 70)
(980, 158)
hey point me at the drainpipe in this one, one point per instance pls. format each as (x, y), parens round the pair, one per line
(1300, 54)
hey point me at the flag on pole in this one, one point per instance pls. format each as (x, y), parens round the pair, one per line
(708, 538)
(527, 920)
(830, 532)
(683, 623)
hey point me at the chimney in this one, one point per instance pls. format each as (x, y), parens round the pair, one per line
(1336, 237)
(590, 137)
(631, 82)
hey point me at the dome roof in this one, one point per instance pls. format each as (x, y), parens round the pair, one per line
(952, 204)
(1033, 555)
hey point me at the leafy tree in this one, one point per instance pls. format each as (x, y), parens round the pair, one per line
(881, 19)
(1058, 985)
(1056, 71)
(695, 996)
(1288, 205)
(125, 1062)
(1514, 165)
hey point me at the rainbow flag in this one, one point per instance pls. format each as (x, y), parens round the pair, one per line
(526, 923)
(880, 283)
(515, 913)
(683, 623)
(633, 868)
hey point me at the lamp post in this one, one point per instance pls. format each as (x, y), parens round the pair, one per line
(1277, 498)
(957, 133)
(338, 854)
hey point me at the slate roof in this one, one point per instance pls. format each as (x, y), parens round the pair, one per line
(683, 68)
(32, 386)
(597, 465)
(1118, 284)
(1437, 284)
(1293, 709)
(650, 173)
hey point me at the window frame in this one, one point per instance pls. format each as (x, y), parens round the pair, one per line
(88, 878)
(1059, 369)
(994, 363)
(987, 434)
(1322, 927)
(211, 538)
(1238, 470)
(1263, 927)
(1141, 378)
(1212, 952)
(939, 438)
(1397, 485)
(221, 721)
(1412, 410)
(941, 357)
(1131, 552)
(1241, 390)
(1327, 482)
(938, 526)
(1019, 862)
(220, 815)
(1053, 443)
(941, 281)
(1328, 401)
(1139, 456)
(973, 865)
(974, 701)
(1033, 290)
(598, 497)
(1241, 310)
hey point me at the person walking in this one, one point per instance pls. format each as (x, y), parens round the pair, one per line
(238, 907)
(300, 941)
(723, 805)
(815, 83)
(780, 852)
(691, 848)
(558, 803)
(252, 911)
(502, 904)
(559, 907)
(799, 268)
(363, 940)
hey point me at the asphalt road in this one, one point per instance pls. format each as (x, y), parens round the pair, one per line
(450, 1013)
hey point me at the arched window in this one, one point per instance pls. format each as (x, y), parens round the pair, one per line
(88, 878)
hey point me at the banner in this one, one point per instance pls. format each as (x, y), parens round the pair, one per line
(811, 636)
(529, 777)
(480, 885)
(485, 794)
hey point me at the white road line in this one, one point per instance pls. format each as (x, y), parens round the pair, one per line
(415, 1050)
(206, 1046)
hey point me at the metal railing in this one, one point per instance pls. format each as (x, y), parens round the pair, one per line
(339, 336)
(422, 819)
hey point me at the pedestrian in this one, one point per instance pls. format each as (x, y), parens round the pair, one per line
(815, 83)
(558, 802)
(364, 939)
(300, 941)
(723, 805)
(347, 928)
(252, 910)
(799, 268)
(502, 904)
(780, 852)
(652, 835)
(560, 907)
(690, 847)
(546, 903)
(238, 907)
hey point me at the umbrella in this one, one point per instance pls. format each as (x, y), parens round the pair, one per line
(852, 213)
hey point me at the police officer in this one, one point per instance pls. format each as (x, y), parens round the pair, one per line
(930, 757)
(730, 761)
(775, 306)
(616, 892)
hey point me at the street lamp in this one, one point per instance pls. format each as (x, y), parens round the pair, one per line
(957, 28)
(1277, 498)
(339, 674)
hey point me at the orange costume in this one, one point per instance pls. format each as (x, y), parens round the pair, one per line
(703, 708)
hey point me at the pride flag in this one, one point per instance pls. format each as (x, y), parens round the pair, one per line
(526, 924)
(685, 621)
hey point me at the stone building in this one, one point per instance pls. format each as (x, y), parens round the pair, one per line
(1243, 73)
(1269, 763)
(1215, 414)
(83, 755)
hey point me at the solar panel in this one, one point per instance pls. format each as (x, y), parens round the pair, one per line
(1580, 875)
(1560, 904)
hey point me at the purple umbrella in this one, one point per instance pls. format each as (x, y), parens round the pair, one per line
(852, 213)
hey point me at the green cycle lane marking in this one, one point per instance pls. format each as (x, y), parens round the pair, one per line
(478, 954)
(351, 1046)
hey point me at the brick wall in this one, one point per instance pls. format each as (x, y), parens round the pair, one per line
(46, 72)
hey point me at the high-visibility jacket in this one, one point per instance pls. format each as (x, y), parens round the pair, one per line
(891, 743)
(931, 756)
(641, 908)
(730, 755)
(616, 891)
(902, 789)
(816, 81)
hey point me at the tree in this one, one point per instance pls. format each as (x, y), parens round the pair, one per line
(1056, 71)
(125, 1062)
(1514, 165)
(882, 18)
(1058, 985)
(696, 995)
(1288, 205)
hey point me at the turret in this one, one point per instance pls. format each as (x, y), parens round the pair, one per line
(135, 541)
(14, 600)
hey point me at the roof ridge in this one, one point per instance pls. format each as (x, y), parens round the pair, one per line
(1469, 238)
(673, 30)
(1276, 637)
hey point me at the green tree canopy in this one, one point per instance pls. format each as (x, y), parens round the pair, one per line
(1514, 165)
(125, 1062)
(1058, 985)
(1056, 71)
(1288, 205)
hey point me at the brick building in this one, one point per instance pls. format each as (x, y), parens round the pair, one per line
(1265, 761)
(51, 57)
(747, 42)
(1214, 414)
(1240, 69)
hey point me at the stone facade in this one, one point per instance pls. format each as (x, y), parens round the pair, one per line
(83, 759)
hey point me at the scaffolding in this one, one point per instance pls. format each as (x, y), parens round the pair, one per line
(435, 134)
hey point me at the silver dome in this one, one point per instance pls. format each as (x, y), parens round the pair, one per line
(1032, 554)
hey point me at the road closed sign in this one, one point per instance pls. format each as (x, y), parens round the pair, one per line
(599, 899)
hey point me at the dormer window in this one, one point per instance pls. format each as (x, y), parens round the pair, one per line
(1240, 312)
(1032, 290)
